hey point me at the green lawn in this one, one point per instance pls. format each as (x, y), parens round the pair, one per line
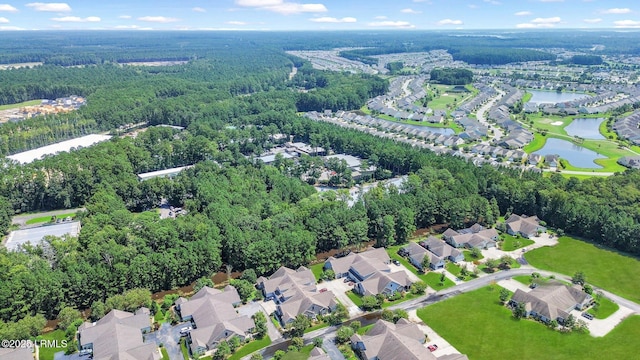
(44, 219)
(469, 258)
(431, 278)
(363, 329)
(357, 299)
(303, 354)
(455, 270)
(165, 355)
(19, 105)
(183, 348)
(605, 308)
(317, 270)
(479, 327)
(317, 326)
(511, 243)
(602, 267)
(536, 144)
(254, 345)
(47, 353)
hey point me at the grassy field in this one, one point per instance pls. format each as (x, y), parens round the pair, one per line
(602, 267)
(605, 308)
(511, 243)
(317, 270)
(44, 219)
(478, 326)
(184, 350)
(19, 105)
(48, 353)
(455, 270)
(303, 354)
(468, 257)
(357, 299)
(165, 355)
(431, 278)
(317, 326)
(255, 345)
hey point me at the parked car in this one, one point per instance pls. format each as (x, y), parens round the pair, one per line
(323, 290)
(403, 252)
(396, 262)
(587, 315)
(184, 331)
(533, 285)
(432, 347)
(85, 352)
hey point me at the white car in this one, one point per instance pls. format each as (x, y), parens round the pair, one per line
(185, 330)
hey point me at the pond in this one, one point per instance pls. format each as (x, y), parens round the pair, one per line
(554, 97)
(586, 128)
(576, 155)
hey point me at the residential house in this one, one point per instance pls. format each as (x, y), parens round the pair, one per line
(551, 160)
(318, 354)
(370, 271)
(401, 341)
(20, 353)
(295, 293)
(119, 335)
(551, 301)
(214, 318)
(417, 253)
(475, 236)
(525, 226)
(534, 159)
(442, 250)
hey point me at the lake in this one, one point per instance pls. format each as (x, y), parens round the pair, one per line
(553, 97)
(586, 128)
(576, 155)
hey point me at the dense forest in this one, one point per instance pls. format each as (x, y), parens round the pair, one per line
(450, 76)
(241, 213)
(586, 60)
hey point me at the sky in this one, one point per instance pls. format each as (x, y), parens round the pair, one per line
(294, 15)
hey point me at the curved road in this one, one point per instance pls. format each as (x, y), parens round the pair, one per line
(497, 132)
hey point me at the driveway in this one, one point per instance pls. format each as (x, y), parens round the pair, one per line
(329, 346)
(339, 288)
(267, 308)
(169, 336)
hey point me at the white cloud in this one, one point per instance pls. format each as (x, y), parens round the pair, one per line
(199, 9)
(124, 17)
(283, 7)
(410, 11)
(551, 1)
(394, 24)
(449, 22)
(472, 6)
(4, 20)
(423, 1)
(493, 2)
(534, 26)
(10, 28)
(158, 19)
(124, 27)
(381, 17)
(51, 7)
(327, 19)
(7, 8)
(627, 24)
(592, 21)
(551, 20)
(523, 13)
(232, 22)
(76, 19)
(617, 11)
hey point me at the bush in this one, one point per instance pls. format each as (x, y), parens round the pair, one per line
(418, 287)
(344, 334)
(328, 274)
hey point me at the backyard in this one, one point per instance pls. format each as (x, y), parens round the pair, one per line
(605, 268)
(491, 332)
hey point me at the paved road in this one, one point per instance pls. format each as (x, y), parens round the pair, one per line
(21, 220)
(169, 336)
(497, 132)
(329, 345)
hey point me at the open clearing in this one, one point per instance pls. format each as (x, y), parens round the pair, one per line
(35, 235)
(489, 331)
(602, 267)
(35, 154)
(557, 123)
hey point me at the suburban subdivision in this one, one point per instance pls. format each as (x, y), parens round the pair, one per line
(369, 195)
